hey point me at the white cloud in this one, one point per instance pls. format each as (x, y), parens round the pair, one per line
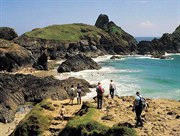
(147, 24)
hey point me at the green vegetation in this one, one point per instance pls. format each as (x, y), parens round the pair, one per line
(67, 32)
(116, 30)
(87, 125)
(36, 122)
(5, 43)
(121, 131)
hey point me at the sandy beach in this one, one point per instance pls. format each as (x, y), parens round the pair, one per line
(6, 129)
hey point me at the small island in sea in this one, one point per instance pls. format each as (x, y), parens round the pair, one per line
(34, 79)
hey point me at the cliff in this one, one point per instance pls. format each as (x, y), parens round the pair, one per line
(17, 89)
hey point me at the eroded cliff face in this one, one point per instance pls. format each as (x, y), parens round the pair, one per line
(18, 89)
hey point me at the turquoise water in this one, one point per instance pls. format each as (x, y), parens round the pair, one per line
(154, 78)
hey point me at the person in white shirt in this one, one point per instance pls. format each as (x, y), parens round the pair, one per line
(71, 94)
(112, 88)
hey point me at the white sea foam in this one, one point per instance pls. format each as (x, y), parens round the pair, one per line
(102, 58)
(170, 54)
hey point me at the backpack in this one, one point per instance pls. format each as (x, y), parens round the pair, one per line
(100, 90)
(142, 102)
(111, 86)
(71, 92)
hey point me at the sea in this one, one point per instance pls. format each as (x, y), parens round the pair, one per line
(153, 78)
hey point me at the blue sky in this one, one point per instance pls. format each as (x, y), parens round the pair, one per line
(137, 17)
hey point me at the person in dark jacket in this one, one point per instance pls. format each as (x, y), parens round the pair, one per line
(100, 91)
(138, 109)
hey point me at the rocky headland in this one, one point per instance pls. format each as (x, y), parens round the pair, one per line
(169, 43)
(56, 41)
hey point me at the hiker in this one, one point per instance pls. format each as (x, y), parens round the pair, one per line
(100, 91)
(138, 107)
(79, 90)
(112, 88)
(71, 94)
(62, 112)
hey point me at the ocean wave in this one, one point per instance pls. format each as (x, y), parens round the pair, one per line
(102, 58)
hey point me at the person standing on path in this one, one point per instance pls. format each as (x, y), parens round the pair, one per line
(100, 91)
(71, 94)
(62, 112)
(79, 90)
(112, 88)
(138, 107)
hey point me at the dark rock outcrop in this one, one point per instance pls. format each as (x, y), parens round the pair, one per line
(17, 89)
(102, 21)
(42, 62)
(167, 43)
(7, 33)
(116, 57)
(77, 63)
(13, 56)
(123, 43)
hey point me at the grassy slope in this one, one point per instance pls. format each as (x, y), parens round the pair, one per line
(37, 121)
(67, 32)
(88, 125)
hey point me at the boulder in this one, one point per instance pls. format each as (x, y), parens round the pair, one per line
(13, 56)
(77, 63)
(115, 57)
(7, 33)
(16, 89)
(41, 64)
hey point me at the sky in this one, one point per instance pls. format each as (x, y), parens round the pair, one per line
(140, 18)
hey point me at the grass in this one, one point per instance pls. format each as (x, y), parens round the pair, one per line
(87, 125)
(90, 116)
(36, 122)
(5, 43)
(67, 32)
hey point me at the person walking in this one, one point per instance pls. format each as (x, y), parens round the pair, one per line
(79, 90)
(100, 91)
(62, 112)
(112, 88)
(138, 107)
(71, 94)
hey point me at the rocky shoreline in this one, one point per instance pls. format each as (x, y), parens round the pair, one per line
(32, 50)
